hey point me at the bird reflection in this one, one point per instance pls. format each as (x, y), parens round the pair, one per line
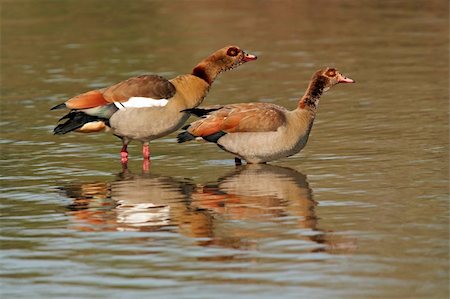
(256, 193)
(238, 210)
(265, 202)
(92, 207)
(145, 202)
(149, 201)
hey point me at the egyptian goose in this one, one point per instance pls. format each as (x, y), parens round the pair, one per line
(262, 132)
(149, 106)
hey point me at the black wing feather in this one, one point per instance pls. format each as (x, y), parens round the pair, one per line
(75, 120)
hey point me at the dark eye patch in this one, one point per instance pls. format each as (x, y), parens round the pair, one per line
(232, 51)
(331, 73)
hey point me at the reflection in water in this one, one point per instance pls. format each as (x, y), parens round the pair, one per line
(91, 208)
(260, 191)
(251, 203)
(261, 194)
(148, 202)
(144, 202)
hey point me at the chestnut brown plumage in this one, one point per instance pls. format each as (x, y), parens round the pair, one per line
(262, 132)
(149, 106)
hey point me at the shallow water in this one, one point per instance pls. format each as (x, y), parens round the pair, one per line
(361, 212)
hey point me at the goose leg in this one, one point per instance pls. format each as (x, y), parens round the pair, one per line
(146, 151)
(146, 157)
(124, 154)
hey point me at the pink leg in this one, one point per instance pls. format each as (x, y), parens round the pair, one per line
(146, 158)
(124, 154)
(146, 151)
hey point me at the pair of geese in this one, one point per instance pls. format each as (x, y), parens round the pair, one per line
(148, 107)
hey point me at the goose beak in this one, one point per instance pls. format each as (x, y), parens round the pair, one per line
(344, 79)
(249, 57)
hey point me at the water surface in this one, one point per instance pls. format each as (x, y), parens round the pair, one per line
(361, 212)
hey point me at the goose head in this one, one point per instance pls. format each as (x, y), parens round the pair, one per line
(329, 76)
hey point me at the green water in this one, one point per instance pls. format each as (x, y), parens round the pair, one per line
(361, 212)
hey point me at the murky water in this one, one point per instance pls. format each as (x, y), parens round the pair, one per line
(361, 212)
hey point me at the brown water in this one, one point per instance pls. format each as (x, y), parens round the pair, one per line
(361, 212)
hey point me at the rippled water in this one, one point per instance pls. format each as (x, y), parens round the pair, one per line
(361, 212)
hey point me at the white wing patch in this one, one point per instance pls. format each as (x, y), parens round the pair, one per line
(141, 102)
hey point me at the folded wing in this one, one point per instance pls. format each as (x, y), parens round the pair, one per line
(251, 117)
(142, 91)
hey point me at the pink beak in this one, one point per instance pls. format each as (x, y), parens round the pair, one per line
(249, 57)
(344, 79)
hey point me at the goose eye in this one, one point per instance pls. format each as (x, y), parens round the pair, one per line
(331, 73)
(232, 51)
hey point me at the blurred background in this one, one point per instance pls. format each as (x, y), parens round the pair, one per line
(361, 212)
